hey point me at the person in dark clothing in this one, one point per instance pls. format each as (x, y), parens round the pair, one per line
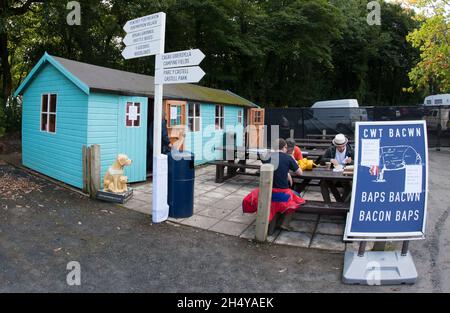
(283, 163)
(340, 153)
(165, 141)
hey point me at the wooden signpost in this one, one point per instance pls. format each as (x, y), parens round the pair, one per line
(145, 37)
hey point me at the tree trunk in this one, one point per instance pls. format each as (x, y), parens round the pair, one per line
(6, 68)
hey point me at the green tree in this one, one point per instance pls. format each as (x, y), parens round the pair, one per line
(432, 72)
(10, 11)
(298, 52)
(276, 53)
(372, 62)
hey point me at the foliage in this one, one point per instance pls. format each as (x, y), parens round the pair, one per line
(433, 39)
(275, 53)
(372, 62)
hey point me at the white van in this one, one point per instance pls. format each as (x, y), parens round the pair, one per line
(435, 100)
(342, 103)
(438, 120)
(336, 115)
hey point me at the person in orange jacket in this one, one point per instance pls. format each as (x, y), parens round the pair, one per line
(294, 150)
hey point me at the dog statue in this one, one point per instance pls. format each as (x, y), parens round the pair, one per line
(114, 180)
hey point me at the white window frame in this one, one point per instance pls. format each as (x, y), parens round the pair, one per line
(257, 117)
(194, 117)
(240, 117)
(48, 113)
(139, 114)
(221, 117)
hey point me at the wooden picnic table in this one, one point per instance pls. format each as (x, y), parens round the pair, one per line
(242, 153)
(239, 166)
(327, 178)
(228, 169)
(319, 145)
(314, 154)
(327, 136)
(313, 140)
(232, 169)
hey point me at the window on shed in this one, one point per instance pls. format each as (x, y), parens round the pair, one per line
(257, 117)
(239, 117)
(133, 114)
(219, 117)
(194, 118)
(48, 113)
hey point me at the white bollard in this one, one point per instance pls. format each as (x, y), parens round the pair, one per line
(264, 201)
(160, 208)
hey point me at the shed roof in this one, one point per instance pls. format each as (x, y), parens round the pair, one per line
(99, 78)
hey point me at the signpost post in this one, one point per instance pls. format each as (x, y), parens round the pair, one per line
(146, 36)
(389, 200)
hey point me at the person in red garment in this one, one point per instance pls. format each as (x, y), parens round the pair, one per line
(294, 150)
(284, 200)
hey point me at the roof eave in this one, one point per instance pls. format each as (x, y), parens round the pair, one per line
(47, 58)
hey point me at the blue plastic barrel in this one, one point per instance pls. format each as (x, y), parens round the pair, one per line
(181, 184)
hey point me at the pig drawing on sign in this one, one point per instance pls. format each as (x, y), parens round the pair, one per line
(394, 158)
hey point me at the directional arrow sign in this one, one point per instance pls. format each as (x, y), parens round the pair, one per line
(141, 50)
(179, 58)
(144, 22)
(142, 36)
(179, 75)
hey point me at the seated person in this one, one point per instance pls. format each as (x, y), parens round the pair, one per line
(284, 200)
(294, 150)
(340, 152)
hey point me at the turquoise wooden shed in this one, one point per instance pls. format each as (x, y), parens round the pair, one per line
(68, 104)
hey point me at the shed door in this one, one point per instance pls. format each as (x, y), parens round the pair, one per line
(176, 122)
(132, 136)
(256, 128)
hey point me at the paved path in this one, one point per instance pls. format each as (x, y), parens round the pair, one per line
(218, 208)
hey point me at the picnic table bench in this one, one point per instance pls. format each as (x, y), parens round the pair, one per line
(312, 207)
(233, 169)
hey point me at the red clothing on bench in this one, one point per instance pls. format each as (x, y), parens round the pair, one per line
(283, 201)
